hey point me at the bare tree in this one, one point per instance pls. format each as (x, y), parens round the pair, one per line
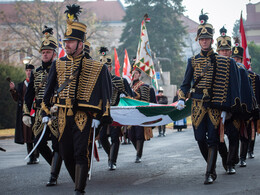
(23, 29)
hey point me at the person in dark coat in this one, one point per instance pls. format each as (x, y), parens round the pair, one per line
(23, 134)
(161, 99)
(120, 88)
(213, 84)
(33, 97)
(83, 100)
(146, 93)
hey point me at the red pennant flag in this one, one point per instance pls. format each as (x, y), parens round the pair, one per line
(127, 68)
(117, 65)
(246, 57)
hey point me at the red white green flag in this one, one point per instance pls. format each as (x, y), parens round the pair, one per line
(140, 113)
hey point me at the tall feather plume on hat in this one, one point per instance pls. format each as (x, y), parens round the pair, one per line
(223, 31)
(47, 31)
(104, 58)
(203, 17)
(73, 11)
(103, 51)
(237, 41)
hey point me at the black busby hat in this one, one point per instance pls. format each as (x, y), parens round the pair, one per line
(205, 30)
(75, 30)
(224, 41)
(29, 66)
(104, 58)
(48, 41)
(237, 50)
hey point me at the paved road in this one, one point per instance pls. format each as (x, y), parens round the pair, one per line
(171, 165)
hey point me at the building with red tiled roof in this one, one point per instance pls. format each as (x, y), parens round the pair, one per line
(109, 13)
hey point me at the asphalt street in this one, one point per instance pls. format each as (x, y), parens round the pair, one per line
(170, 165)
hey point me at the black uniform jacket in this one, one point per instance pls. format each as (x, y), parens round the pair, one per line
(219, 83)
(90, 90)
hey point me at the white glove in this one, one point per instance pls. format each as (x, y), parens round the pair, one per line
(122, 95)
(45, 119)
(95, 123)
(223, 116)
(27, 120)
(54, 109)
(180, 105)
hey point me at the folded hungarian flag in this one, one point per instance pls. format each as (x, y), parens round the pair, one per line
(141, 113)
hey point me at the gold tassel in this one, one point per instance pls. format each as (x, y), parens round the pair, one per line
(70, 112)
(253, 130)
(221, 131)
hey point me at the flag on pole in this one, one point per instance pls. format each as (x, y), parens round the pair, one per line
(127, 68)
(246, 57)
(117, 65)
(144, 59)
(61, 48)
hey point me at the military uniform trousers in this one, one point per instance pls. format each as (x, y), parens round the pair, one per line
(207, 131)
(75, 142)
(43, 147)
(114, 132)
(245, 137)
(232, 132)
(136, 133)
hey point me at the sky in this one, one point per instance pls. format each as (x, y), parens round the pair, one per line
(220, 12)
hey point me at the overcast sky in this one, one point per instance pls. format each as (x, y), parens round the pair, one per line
(220, 12)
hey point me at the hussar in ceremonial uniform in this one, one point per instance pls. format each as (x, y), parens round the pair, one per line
(35, 91)
(249, 92)
(138, 134)
(83, 99)
(232, 123)
(120, 88)
(214, 92)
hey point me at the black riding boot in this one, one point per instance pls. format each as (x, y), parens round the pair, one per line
(243, 153)
(81, 178)
(203, 146)
(113, 155)
(222, 149)
(251, 146)
(106, 146)
(29, 149)
(139, 150)
(55, 169)
(231, 159)
(211, 165)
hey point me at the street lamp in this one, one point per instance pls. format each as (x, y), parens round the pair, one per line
(27, 60)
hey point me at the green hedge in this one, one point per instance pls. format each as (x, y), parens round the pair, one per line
(7, 105)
